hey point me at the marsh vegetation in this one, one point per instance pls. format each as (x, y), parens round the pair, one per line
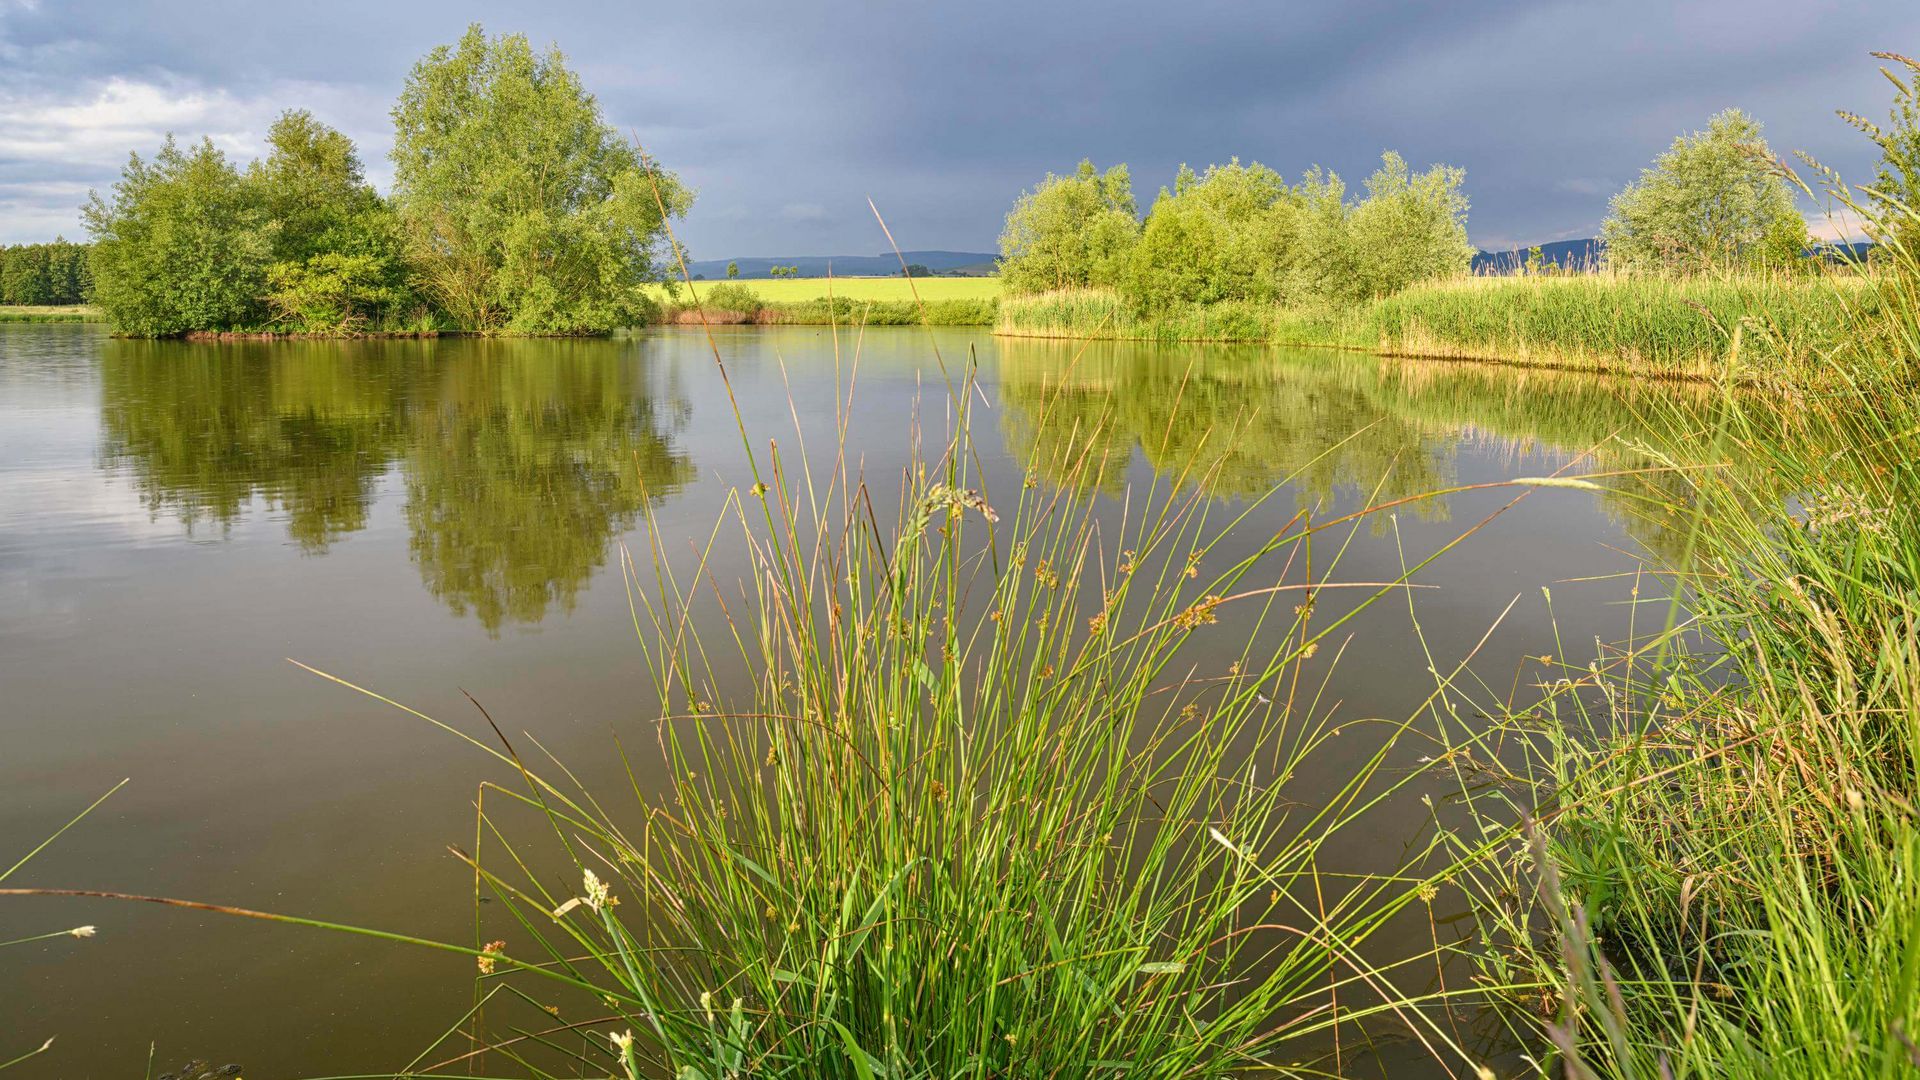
(998, 711)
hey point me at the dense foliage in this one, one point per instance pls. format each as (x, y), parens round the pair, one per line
(183, 244)
(1238, 233)
(37, 275)
(1715, 201)
(1070, 231)
(523, 209)
(516, 208)
(337, 255)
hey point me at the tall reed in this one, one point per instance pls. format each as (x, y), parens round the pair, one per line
(975, 811)
(1720, 818)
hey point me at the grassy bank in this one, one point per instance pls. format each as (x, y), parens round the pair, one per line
(1645, 325)
(1719, 819)
(805, 301)
(59, 314)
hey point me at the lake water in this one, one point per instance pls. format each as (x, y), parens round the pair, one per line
(428, 518)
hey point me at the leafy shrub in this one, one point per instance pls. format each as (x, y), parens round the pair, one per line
(183, 244)
(331, 293)
(1069, 232)
(734, 298)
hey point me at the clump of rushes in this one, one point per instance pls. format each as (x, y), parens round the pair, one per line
(972, 809)
(974, 813)
(1723, 818)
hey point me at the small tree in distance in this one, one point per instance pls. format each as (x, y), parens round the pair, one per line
(733, 271)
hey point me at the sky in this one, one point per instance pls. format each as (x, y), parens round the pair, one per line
(786, 117)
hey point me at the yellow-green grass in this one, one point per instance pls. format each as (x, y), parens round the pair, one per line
(1667, 327)
(34, 313)
(787, 290)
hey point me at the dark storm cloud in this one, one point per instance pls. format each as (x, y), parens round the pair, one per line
(786, 117)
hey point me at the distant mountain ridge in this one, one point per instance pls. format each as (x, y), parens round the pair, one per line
(1570, 254)
(971, 263)
(1566, 254)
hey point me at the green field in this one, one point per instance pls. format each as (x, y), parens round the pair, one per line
(786, 290)
(39, 313)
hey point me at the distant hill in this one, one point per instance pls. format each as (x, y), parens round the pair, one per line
(1585, 255)
(1567, 254)
(968, 263)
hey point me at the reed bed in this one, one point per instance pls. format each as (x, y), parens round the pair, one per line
(1710, 830)
(1105, 314)
(841, 311)
(1667, 327)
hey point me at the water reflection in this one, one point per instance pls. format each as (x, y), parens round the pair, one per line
(1236, 421)
(521, 460)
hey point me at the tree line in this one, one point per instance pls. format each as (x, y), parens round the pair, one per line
(1716, 201)
(515, 208)
(1238, 233)
(40, 275)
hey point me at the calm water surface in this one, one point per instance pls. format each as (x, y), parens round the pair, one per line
(427, 518)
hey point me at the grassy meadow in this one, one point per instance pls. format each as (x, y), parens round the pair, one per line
(48, 313)
(872, 301)
(790, 290)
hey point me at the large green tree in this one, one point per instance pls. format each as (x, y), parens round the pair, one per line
(1713, 202)
(522, 208)
(1070, 232)
(311, 183)
(182, 244)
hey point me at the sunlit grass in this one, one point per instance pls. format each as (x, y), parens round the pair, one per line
(1791, 326)
(1714, 824)
(49, 313)
(788, 290)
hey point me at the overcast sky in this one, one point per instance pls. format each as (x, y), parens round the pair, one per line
(785, 117)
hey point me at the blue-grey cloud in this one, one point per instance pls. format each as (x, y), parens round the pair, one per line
(787, 117)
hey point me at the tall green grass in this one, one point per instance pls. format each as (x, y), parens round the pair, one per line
(1721, 818)
(974, 813)
(1681, 328)
(1104, 314)
(1789, 325)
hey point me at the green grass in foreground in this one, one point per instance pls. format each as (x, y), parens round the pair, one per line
(1722, 817)
(1647, 325)
(32, 314)
(974, 814)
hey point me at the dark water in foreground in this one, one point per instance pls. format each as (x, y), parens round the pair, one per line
(424, 518)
